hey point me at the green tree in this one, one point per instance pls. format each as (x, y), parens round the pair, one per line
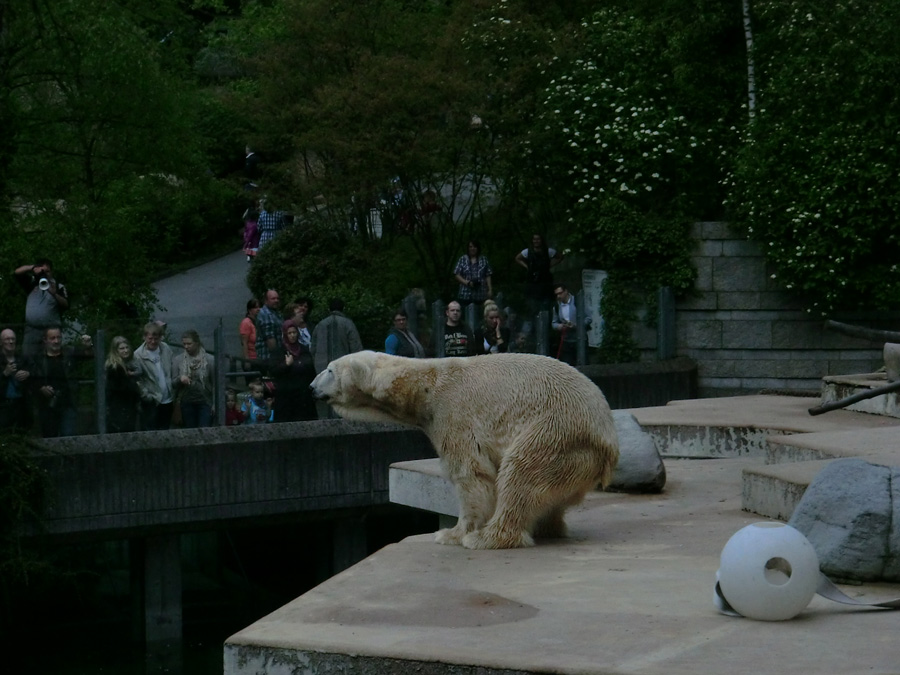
(375, 114)
(102, 125)
(627, 120)
(815, 173)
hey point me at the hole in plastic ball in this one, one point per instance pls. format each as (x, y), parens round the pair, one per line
(778, 571)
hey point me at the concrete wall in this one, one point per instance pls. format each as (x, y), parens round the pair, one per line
(746, 334)
(148, 483)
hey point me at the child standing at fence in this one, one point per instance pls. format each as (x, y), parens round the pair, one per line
(258, 408)
(234, 416)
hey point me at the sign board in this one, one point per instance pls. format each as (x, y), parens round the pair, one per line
(592, 287)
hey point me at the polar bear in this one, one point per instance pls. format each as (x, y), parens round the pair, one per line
(522, 437)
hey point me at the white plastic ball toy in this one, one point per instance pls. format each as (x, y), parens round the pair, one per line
(768, 571)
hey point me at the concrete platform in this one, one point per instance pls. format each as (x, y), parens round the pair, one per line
(742, 425)
(629, 592)
(779, 430)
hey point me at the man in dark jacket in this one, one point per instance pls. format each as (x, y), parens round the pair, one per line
(53, 383)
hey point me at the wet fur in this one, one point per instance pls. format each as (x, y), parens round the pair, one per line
(522, 437)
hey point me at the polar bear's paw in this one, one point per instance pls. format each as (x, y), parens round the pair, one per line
(451, 536)
(486, 538)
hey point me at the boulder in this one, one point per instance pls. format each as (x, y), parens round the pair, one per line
(851, 515)
(640, 468)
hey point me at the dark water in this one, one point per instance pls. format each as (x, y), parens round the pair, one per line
(77, 614)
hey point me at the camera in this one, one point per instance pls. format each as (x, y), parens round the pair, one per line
(44, 284)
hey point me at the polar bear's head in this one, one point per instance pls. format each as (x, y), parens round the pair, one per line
(344, 379)
(371, 387)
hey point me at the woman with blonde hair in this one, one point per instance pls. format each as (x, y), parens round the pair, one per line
(492, 337)
(123, 396)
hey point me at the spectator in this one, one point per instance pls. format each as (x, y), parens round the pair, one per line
(234, 416)
(298, 311)
(335, 336)
(251, 233)
(565, 319)
(457, 338)
(155, 382)
(195, 375)
(247, 331)
(123, 396)
(537, 260)
(400, 341)
(270, 223)
(492, 337)
(54, 385)
(293, 373)
(46, 300)
(268, 327)
(15, 408)
(473, 272)
(251, 168)
(257, 408)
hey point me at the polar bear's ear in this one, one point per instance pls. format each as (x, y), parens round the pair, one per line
(359, 375)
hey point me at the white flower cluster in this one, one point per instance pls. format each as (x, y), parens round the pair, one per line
(623, 142)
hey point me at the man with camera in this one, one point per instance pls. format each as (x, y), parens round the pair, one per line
(47, 300)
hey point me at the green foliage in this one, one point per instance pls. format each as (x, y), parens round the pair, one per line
(105, 155)
(618, 301)
(815, 176)
(610, 120)
(367, 108)
(94, 102)
(312, 259)
(107, 252)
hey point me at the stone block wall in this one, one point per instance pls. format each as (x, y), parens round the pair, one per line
(746, 334)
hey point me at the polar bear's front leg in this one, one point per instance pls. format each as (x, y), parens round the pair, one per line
(477, 493)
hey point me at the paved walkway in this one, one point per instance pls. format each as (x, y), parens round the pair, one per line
(202, 296)
(629, 592)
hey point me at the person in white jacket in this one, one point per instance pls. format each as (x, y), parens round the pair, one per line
(155, 381)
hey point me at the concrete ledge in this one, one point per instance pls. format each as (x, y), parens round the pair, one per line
(710, 442)
(154, 482)
(832, 445)
(422, 484)
(775, 490)
(793, 461)
(835, 388)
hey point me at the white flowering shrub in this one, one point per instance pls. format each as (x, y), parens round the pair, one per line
(630, 162)
(816, 176)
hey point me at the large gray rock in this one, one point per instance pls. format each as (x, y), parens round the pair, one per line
(640, 467)
(851, 515)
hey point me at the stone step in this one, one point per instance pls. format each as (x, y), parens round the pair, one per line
(837, 387)
(792, 462)
(792, 445)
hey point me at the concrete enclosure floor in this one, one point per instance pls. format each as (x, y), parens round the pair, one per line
(630, 591)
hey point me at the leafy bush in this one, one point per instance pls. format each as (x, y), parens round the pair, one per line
(815, 177)
(107, 253)
(611, 124)
(320, 261)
